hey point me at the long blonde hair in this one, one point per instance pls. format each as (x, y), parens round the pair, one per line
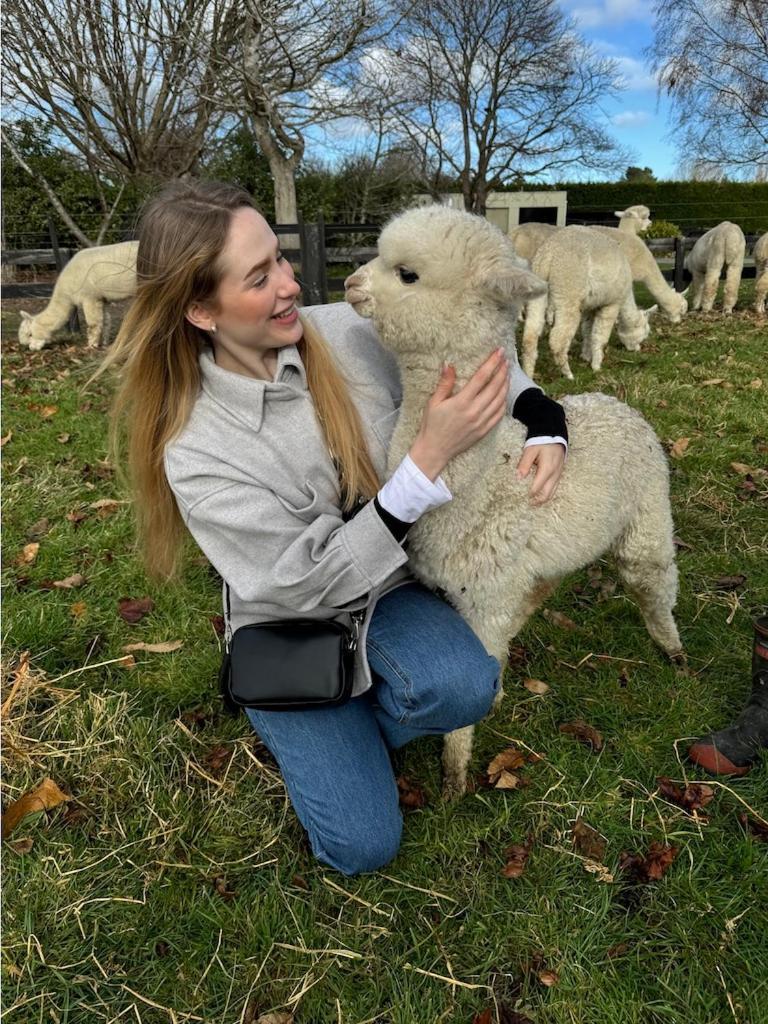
(183, 231)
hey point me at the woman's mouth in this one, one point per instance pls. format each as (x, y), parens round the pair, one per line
(289, 316)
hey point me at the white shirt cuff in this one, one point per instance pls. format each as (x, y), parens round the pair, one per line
(546, 440)
(409, 493)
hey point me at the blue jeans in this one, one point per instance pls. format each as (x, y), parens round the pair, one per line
(431, 675)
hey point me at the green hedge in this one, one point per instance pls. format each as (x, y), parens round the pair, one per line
(691, 204)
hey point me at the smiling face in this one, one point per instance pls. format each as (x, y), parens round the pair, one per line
(254, 307)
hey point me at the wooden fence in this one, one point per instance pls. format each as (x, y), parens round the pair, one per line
(321, 249)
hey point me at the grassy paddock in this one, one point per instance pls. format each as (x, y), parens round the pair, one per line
(176, 885)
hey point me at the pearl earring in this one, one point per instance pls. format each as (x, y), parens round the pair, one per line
(212, 328)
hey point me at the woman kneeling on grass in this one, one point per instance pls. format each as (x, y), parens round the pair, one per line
(232, 403)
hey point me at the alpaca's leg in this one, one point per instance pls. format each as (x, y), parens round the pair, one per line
(645, 556)
(761, 289)
(457, 745)
(709, 290)
(732, 282)
(604, 320)
(457, 750)
(587, 320)
(560, 337)
(106, 327)
(535, 312)
(93, 311)
(696, 286)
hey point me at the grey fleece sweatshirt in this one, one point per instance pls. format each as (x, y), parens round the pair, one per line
(255, 484)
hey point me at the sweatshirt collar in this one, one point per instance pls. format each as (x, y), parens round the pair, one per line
(244, 397)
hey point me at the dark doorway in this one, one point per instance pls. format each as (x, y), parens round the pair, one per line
(538, 214)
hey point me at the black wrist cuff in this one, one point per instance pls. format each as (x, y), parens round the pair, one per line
(397, 527)
(542, 416)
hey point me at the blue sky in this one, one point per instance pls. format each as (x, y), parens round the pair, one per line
(621, 29)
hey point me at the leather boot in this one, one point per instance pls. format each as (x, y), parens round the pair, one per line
(732, 751)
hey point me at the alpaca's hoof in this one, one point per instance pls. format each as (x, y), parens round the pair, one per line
(454, 788)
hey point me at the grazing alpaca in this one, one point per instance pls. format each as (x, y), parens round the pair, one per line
(721, 246)
(445, 287)
(760, 252)
(590, 283)
(105, 273)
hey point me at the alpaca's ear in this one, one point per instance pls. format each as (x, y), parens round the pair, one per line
(25, 316)
(650, 312)
(513, 283)
(621, 213)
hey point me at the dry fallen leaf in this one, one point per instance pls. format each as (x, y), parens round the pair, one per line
(537, 686)
(162, 648)
(650, 868)
(220, 887)
(741, 468)
(64, 438)
(507, 760)
(588, 842)
(507, 780)
(730, 582)
(679, 447)
(75, 517)
(517, 857)
(21, 846)
(712, 382)
(44, 798)
(756, 384)
(409, 793)
(105, 506)
(275, 1018)
(46, 411)
(695, 795)
(133, 609)
(753, 826)
(6, 439)
(78, 609)
(558, 619)
(548, 977)
(38, 529)
(218, 757)
(486, 1017)
(77, 580)
(28, 554)
(127, 662)
(584, 733)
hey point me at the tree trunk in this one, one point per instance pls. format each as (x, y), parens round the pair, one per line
(286, 208)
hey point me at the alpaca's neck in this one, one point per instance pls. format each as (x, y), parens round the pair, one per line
(55, 315)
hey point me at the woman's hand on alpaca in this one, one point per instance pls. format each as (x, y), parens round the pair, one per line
(548, 460)
(453, 423)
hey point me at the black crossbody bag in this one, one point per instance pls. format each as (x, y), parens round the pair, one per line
(288, 664)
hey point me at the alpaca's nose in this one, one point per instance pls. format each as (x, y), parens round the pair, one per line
(356, 280)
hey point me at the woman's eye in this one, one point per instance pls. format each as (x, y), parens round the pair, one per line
(407, 276)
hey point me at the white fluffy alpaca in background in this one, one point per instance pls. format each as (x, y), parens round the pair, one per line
(445, 288)
(760, 252)
(104, 273)
(634, 219)
(721, 246)
(590, 284)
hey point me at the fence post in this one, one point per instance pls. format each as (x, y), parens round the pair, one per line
(679, 263)
(312, 237)
(73, 324)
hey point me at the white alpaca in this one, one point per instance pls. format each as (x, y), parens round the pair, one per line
(760, 253)
(590, 283)
(105, 273)
(645, 270)
(526, 238)
(445, 287)
(721, 246)
(634, 219)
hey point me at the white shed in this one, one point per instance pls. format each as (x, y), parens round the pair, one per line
(508, 209)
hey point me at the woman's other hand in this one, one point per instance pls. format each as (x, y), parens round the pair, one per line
(548, 460)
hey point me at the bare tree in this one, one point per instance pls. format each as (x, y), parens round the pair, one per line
(711, 58)
(492, 90)
(291, 67)
(129, 86)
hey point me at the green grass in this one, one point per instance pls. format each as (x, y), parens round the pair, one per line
(114, 912)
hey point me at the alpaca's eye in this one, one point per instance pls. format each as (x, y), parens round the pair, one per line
(407, 276)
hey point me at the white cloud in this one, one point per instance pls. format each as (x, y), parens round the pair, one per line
(630, 117)
(633, 74)
(608, 12)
